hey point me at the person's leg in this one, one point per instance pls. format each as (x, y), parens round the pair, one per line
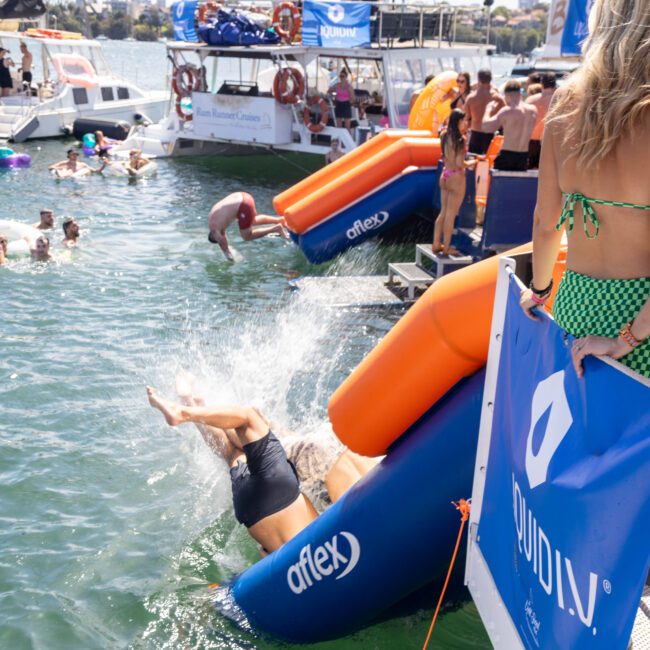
(437, 228)
(346, 471)
(263, 219)
(255, 232)
(454, 201)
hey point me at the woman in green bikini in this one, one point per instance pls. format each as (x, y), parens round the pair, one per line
(594, 175)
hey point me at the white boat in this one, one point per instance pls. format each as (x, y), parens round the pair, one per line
(71, 80)
(224, 101)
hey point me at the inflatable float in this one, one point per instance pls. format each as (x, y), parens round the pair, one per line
(417, 397)
(432, 107)
(21, 237)
(363, 194)
(66, 174)
(9, 159)
(119, 169)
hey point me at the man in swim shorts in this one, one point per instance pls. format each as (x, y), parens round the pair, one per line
(479, 99)
(47, 220)
(324, 467)
(240, 207)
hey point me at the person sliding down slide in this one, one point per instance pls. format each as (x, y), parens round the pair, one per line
(240, 206)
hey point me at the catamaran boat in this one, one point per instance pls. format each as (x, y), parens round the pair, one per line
(231, 100)
(71, 80)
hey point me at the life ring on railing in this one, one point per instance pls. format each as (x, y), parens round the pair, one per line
(294, 13)
(285, 92)
(186, 79)
(324, 114)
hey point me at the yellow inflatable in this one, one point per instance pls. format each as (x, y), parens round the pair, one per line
(431, 108)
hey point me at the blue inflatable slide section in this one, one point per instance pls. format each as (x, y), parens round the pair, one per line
(408, 192)
(389, 535)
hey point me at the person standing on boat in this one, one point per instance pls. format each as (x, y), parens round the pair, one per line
(240, 207)
(517, 119)
(26, 66)
(453, 142)
(464, 83)
(541, 102)
(475, 105)
(593, 183)
(343, 95)
(6, 84)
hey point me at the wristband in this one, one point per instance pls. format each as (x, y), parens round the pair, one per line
(626, 334)
(541, 292)
(539, 300)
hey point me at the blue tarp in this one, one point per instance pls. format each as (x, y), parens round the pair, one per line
(576, 28)
(183, 19)
(564, 521)
(233, 28)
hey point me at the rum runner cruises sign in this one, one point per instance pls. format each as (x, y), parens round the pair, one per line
(336, 24)
(561, 499)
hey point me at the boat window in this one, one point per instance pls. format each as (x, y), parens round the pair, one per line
(80, 95)
(122, 93)
(107, 94)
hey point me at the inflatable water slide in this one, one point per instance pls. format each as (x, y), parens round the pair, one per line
(363, 194)
(417, 398)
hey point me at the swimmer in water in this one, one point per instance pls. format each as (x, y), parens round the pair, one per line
(46, 220)
(261, 482)
(240, 207)
(70, 232)
(71, 165)
(3, 248)
(41, 250)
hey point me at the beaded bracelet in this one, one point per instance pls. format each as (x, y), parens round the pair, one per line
(626, 334)
(541, 292)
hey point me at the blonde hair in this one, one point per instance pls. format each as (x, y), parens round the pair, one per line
(606, 97)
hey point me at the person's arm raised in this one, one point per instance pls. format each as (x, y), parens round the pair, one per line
(492, 123)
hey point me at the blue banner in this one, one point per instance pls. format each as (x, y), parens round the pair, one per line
(336, 24)
(576, 27)
(564, 521)
(184, 21)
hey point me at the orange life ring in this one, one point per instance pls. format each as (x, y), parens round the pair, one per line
(324, 114)
(294, 13)
(186, 117)
(285, 92)
(186, 79)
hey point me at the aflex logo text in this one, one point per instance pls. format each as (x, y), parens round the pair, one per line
(371, 223)
(323, 561)
(336, 13)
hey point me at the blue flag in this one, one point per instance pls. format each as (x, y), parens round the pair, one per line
(564, 521)
(184, 22)
(576, 27)
(336, 24)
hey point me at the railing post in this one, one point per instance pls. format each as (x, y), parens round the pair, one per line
(442, 17)
(454, 26)
(421, 34)
(381, 25)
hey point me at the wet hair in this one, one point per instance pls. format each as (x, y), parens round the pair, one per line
(485, 75)
(452, 137)
(534, 78)
(211, 238)
(69, 151)
(428, 78)
(534, 89)
(512, 87)
(66, 222)
(548, 80)
(607, 96)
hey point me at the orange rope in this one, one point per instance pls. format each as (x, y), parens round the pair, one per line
(464, 508)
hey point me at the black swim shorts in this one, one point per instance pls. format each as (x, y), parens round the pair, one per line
(479, 142)
(265, 484)
(343, 110)
(511, 161)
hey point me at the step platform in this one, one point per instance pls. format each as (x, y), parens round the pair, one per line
(442, 264)
(411, 275)
(347, 291)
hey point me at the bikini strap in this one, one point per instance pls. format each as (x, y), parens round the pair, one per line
(588, 213)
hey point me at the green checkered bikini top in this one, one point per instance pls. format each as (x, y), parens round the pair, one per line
(588, 214)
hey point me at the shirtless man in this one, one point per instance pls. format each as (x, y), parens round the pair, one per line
(41, 250)
(26, 66)
(70, 232)
(517, 120)
(541, 103)
(47, 220)
(71, 166)
(265, 489)
(335, 152)
(240, 207)
(475, 106)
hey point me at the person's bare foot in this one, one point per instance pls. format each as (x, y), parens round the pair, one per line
(168, 409)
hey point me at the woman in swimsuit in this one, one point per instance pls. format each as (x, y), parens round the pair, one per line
(593, 183)
(343, 93)
(464, 87)
(452, 181)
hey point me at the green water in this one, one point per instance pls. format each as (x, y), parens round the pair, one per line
(114, 524)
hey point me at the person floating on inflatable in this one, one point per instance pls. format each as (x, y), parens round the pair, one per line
(70, 166)
(240, 206)
(4, 243)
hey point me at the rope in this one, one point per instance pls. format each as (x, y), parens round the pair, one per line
(464, 507)
(291, 162)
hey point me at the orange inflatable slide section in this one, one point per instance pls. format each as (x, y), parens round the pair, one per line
(341, 166)
(441, 339)
(366, 176)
